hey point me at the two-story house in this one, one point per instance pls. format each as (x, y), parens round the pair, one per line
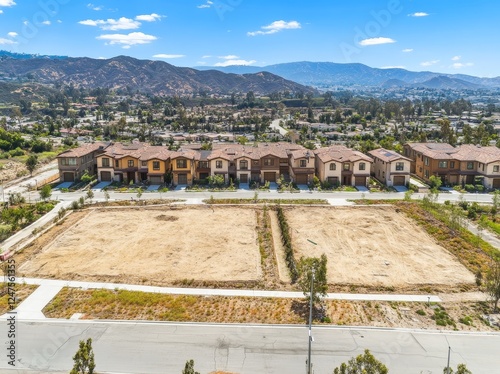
(390, 168)
(75, 162)
(302, 166)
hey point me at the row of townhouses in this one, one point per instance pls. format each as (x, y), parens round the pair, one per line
(465, 164)
(263, 162)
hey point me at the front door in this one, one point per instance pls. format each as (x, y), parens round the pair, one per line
(243, 178)
(346, 180)
(131, 176)
(182, 179)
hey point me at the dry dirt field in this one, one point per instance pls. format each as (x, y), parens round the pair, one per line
(374, 246)
(158, 245)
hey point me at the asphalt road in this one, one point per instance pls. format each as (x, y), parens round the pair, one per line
(127, 347)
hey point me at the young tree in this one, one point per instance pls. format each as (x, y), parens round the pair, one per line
(461, 369)
(45, 192)
(189, 368)
(362, 364)
(139, 193)
(90, 195)
(31, 163)
(320, 285)
(106, 195)
(493, 283)
(84, 359)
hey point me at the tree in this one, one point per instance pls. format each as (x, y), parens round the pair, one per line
(461, 369)
(320, 286)
(189, 368)
(362, 364)
(90, 195)
(84, 359)
(493, 283)
(139, 193)
(31, 163)
(45, 192)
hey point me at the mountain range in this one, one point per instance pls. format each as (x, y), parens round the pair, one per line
(155, 77)
(323, 74)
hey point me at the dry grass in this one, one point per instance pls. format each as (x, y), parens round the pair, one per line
(22, 291)
(126, 305)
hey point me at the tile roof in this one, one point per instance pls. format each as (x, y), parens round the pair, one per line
(386, 155)
(84, 149)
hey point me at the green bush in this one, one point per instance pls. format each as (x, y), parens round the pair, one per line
(5, 231)
(287, 243)
(420, 312)
(16, 152)
(469, 188)
(479, 188)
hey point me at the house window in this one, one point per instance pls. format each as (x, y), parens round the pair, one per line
(452, 164)
(333, 166)
(130, 163)
(470, 165)
(303, 163)
(117, 164)
(156, 165)
(181, 164)
(362, 166)
(268, 162)
(105, 162)
(426, 161)
(496, 168)
(400, 166)
(244, 165)
(144, 163)
(426, 173)
(347, 167)
(443, 164)
(218, 164)
(69, 161)
(203, 165)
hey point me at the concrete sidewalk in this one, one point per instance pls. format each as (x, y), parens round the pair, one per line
(32, 307)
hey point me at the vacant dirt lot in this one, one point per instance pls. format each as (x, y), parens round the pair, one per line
(373, 246)
(153, 246)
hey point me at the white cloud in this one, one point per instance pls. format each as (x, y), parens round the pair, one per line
(95, 7)
(1, 11)
(456, 58)
(201, 62)
(59, 21)
(46, 23)
(208, 4)
(229, 57)
(6, 41)
(429, 63)
(376, 41)
(127, 39)
(235, 62)
(101, 58)
(275, 27)
(393, 67)
(7, 3)
(122, 23)
(408, 50)
(206, 56)
(418, 14)
(126, 47)
(12, 34)
(459, 65)
(165, 56)
(25, 23)
(149, 17)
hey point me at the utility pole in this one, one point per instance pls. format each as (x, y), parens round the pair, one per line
(448, 364)
(309, 364)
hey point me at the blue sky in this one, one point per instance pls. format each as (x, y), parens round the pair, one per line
(449, 36)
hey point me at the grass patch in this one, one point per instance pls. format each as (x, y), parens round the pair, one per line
(22, 291)
(267, 201)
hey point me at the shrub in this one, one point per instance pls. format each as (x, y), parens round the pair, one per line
(469, 187)
(479, 188)
(5, 231)
(420, 312)
(287, 243)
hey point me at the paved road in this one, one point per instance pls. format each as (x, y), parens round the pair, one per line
(24, 183)
(275, 125)
(130, 347)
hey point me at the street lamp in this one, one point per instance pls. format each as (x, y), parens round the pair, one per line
(309, 364)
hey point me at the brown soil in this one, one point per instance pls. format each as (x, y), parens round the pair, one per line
(22, 291)
(373, 246)
(159, 245)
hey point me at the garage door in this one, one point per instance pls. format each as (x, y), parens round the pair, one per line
(156, 179)
(270, 177)
(399, 181)
(360, 181)
(68, 177)
(496, 183)
(243, 178)
(301, 179)
(183, 179)
(105, 176)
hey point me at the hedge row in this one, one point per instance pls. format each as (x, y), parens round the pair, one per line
(287, 244)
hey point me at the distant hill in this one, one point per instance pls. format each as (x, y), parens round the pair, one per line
(27, 56)
(444, 82)
(147, 76)
(335, 74)
(12, 92)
